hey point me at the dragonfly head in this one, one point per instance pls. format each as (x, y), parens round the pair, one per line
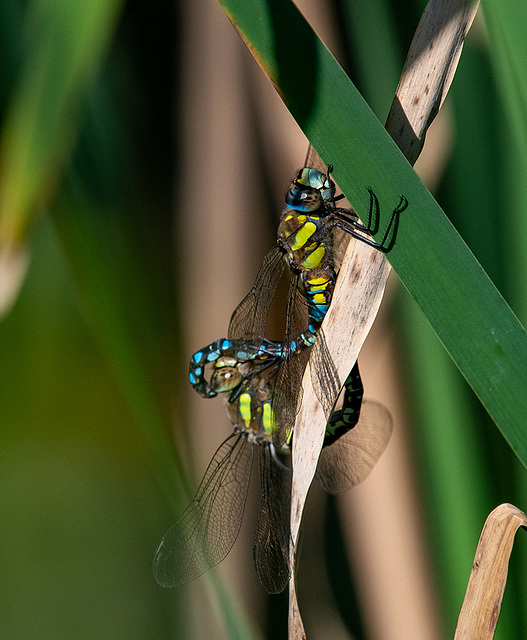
(310, 190)
(226, 376)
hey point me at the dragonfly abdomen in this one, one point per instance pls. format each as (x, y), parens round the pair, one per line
(345, 418)
(317, 288)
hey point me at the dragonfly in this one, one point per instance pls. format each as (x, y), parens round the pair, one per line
(356, 435)
(307, 246)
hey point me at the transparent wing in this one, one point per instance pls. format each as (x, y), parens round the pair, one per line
(271, 542)
(248, 322)
(350, 459)
(210, 525)
(249, 319)
(324, 375)
(288, 387)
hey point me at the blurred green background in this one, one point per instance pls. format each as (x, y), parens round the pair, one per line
(143, 162)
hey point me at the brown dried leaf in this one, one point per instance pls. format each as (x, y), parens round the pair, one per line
(481, 607)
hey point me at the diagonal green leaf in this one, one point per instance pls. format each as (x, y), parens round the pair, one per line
(65, 42)
(467, 312)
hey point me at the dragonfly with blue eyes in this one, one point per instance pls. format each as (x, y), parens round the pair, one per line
(262, 381)
(356, 435)
(307, 246)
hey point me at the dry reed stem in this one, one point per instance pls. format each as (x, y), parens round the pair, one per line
(425, 80)
(482, 603)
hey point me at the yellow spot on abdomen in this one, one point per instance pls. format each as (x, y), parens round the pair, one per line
(318, 283)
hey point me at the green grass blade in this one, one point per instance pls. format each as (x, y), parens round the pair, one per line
(63, 44)
(506, 29)
(506, 21)
(68, 39)
(466, 468)
(466, 311)
(377, 75)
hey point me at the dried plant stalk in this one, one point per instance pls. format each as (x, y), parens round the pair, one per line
(481, 607)
(424, 83)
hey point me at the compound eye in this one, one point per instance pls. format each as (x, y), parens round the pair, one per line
(225, 379)
(302, 198)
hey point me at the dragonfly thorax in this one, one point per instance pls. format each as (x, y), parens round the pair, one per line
(253, 406)
(304, 238)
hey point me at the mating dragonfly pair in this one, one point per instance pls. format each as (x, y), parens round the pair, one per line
(262, 380)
